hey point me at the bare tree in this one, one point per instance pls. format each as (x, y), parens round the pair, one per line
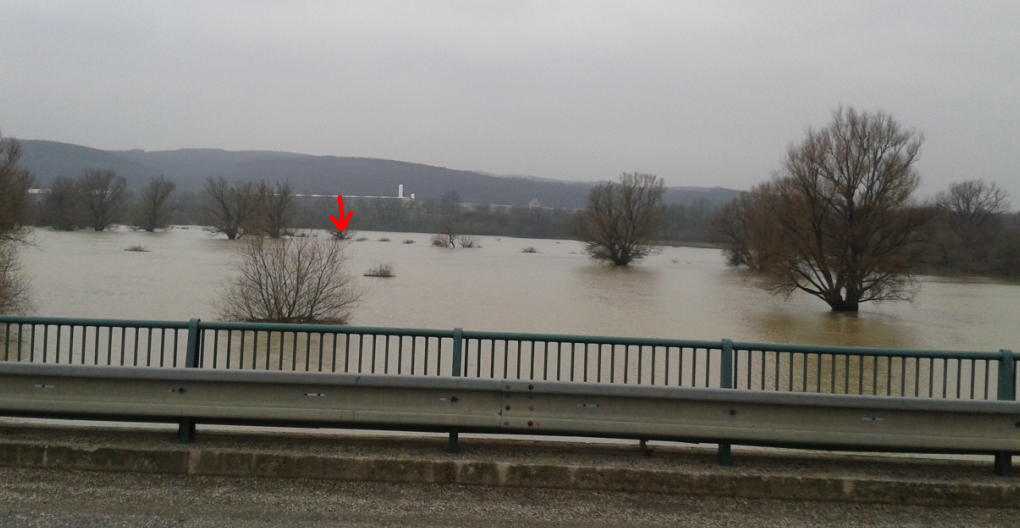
(734, 223)
(61, 209)
(838, 221)
(14, 216)
(155, 208)
(621, 219)
(293, 280)
(14, 287)
(104, 196)
(968, 235)
(14, 185)
(232, 209)
(973, 203)
(447, 219)
(276, 208)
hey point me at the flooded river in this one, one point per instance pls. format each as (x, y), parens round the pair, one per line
(681, 293)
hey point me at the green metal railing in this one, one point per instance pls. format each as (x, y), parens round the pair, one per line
(415, 352)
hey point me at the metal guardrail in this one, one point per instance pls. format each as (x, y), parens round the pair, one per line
(724, 364)
(458, 404)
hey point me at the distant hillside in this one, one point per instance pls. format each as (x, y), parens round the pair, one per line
(49, 160)
(321, 174)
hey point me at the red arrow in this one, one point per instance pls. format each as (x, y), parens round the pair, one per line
(341, 225)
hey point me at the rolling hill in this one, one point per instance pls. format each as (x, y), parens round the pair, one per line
(321, 174)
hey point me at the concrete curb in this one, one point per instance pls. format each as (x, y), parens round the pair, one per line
(1004, 493)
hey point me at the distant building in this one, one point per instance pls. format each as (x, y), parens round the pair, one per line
(400, 195)
(534, 204)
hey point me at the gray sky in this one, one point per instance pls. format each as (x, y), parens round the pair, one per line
(700, 93)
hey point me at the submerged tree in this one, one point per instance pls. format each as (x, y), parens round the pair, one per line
(14, 216)
(276, 208)
(231, 209)
(14, 287)
(61, 209)
(15, 183)
(837, 221)
(621, 219)
(104, 196)
(155, 208)
(292, 280)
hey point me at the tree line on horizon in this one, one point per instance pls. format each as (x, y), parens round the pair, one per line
(98, 199)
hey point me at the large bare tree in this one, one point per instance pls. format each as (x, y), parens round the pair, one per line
(104, 197)
(14, 216)
(232, 209)
(838, 220)
(621, 218)
(293, 280)
(14, 185)
(14, 287)
(155, 208)
(61, 208)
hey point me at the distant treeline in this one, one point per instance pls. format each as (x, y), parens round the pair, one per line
(969, 230)
(65, 205)
(682, 223)
(987, 246)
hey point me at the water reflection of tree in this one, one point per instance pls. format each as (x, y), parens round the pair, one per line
(832, 329)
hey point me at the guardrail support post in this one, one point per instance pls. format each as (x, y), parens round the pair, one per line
(453, 446)
(725, 454)
(1004, 464)
(458, 339)
(726, 366)
(1007, 391)
(186, 429)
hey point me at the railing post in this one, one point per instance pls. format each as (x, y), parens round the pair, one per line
(1007, 391)
(186, 429)
(194, 344)
(458, 338)
(726, 368)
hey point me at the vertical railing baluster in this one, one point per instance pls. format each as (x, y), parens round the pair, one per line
(439, 357)
(400, 354)
(425, 360)
(414, 345)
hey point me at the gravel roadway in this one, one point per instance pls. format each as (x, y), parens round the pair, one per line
(50, 498)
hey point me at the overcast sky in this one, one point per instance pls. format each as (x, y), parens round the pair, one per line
(700, 93)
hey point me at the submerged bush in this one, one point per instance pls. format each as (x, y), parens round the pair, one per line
(381, 270)
(301, 280)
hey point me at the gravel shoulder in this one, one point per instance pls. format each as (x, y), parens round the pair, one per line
(30, 497)
(61, 495)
